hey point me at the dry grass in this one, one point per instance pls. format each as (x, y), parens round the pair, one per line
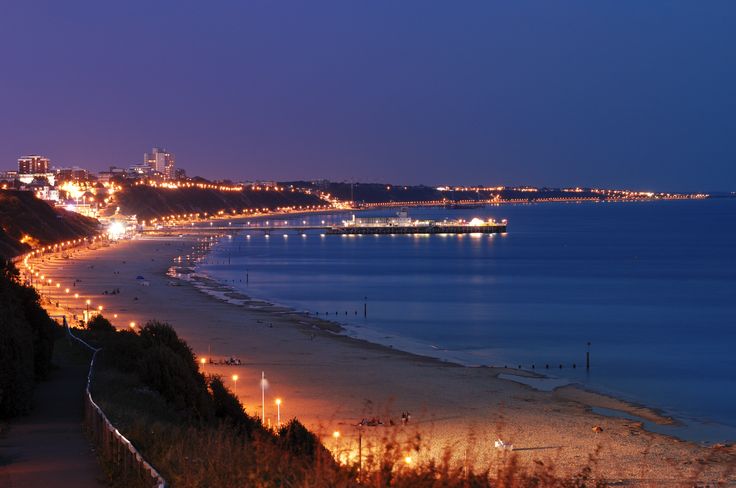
(228, 448)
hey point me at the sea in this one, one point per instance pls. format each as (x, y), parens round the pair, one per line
(647, 289)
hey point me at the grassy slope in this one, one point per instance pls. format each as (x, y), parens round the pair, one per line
(21, 213)
(147, 202)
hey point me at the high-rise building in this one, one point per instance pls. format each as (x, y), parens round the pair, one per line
(33, 164)
(161, 161)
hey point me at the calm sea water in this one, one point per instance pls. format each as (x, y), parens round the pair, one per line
(652, 287)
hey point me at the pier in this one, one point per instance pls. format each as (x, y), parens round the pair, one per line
(432, 228)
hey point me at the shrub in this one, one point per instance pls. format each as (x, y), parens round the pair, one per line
(100, 324)
(26, 342)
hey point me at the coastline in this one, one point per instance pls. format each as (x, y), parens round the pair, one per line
(330, 380)
(537, 381)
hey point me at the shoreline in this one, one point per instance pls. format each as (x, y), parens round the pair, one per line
(333, 379)
(523, 376)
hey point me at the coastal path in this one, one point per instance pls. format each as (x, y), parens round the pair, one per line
(48, 448)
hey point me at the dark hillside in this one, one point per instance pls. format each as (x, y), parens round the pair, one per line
(26, 221)
(148, 202)
(26, 342)
(384, 192)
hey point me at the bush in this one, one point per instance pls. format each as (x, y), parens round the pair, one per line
(296, 439)
(228, 408)
(27, 336)
(100, 324)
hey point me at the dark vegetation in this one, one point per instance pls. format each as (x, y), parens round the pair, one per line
(148, 202)
(27, 337)
(22, 214)
(191, 427)
(197, 434)
(382, 192)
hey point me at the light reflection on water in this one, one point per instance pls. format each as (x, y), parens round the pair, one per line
(650, 285)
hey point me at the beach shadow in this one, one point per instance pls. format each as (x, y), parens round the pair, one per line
(541, 448)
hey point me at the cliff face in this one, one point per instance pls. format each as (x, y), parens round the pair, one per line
(26, 221)
(146, 202)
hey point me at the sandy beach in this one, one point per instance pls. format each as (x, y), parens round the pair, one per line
(330, 382)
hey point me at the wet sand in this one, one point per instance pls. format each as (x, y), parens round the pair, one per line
(330, 382)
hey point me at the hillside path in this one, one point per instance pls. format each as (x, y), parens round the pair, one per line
(48, 448)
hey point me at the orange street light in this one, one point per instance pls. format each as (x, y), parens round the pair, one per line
(278, 412)
(235, 382)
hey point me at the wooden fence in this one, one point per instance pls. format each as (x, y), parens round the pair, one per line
(127, 463)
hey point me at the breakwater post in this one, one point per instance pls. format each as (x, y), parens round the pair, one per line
(587, 357)
(365, 306)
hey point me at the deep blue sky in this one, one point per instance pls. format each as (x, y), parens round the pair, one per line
(633, 93)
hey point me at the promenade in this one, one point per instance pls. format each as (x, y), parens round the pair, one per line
(48, 448)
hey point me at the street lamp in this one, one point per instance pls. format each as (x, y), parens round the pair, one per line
(235, 382)
(278, 412)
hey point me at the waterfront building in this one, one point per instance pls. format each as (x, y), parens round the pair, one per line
(75, 173)
(33, 164)
(161, 161)
(143, 169)
(34, 167)
(107, 176)
(10, 175)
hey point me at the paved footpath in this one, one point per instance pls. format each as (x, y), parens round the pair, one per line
(48, 448)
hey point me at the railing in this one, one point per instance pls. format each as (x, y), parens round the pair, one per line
(114, 448)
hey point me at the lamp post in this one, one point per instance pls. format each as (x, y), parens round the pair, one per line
(360, 450)
(278, 412)
(264, 383)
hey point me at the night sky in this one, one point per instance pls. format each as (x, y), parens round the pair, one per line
(638, 94)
